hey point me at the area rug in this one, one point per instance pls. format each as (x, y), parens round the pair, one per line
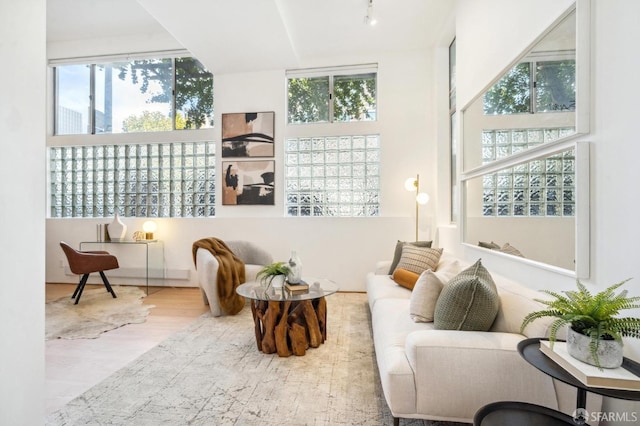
(96, 313)
(211, 373)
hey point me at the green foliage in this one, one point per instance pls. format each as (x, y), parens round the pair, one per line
(554, 87)
(308, 100)
(194, 86)
(591, 315)
(511, 94)
(269, 272)
(151, 121)
(354, 98)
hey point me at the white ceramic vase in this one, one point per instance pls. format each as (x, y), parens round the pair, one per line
(117, 230)
(295, 268)
(610, 352)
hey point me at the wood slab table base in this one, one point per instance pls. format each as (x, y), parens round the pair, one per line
(289, 327)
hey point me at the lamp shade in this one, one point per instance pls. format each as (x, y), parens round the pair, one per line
(149, 226)
(410, 184)
(422, 198)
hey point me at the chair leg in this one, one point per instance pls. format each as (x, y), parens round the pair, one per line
(107, 285)
(80, 288)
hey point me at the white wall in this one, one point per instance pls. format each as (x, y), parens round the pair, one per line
(614, 132)
(342, 249)
(22, 130)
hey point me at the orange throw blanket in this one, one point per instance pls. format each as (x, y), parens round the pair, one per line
(230, 273)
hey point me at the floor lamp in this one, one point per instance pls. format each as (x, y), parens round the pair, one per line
(422, 198)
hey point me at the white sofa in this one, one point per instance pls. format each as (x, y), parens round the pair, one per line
(207, 265)
(448, 375)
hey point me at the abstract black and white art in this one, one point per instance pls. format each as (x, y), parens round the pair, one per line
(248, 182)
(248, 134)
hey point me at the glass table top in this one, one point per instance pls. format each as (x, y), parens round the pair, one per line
(319, 287)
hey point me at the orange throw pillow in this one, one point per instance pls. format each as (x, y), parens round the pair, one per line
(404, 278)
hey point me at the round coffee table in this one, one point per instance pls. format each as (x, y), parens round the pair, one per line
(289, 322)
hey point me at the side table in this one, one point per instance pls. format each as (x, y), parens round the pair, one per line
(288, 323)
(529, 349)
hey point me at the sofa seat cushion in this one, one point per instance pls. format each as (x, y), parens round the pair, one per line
(383, 287)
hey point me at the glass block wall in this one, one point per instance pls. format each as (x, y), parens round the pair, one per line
(136, 180)
(543, 187)
(497, 144)
(333, 176)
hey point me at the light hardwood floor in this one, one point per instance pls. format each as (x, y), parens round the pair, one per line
(74, 366)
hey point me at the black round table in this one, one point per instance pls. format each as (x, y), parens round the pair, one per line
(521, 414)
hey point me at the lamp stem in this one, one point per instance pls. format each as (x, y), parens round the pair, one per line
(417, 209)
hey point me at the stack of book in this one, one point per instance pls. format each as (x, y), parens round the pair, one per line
(299, 288)
(610, 378)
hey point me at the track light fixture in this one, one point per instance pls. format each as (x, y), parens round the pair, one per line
(370, 19)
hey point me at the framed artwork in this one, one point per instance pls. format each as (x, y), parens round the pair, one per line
(248, 182)
(248, 134)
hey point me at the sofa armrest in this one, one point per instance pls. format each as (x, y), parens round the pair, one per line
(207, 272)
(382, 267)
(477, 367)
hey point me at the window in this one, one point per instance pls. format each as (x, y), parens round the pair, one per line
(541, 85)
(145, 180)
(337, 175)
(144, 95)
(332, 95)
(553, 88)
(333, 176)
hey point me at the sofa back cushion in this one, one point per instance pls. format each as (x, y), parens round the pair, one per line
(468, 302)
(516, 301)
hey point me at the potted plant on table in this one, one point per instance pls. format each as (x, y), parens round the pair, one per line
(274, 271)
(595, 332)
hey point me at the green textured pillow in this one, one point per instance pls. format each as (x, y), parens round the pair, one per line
(468, 302)
(398, 252)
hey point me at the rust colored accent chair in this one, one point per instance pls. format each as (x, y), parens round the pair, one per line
(85, 262)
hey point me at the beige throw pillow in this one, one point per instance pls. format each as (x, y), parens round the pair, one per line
(426, 290)
(418, 259)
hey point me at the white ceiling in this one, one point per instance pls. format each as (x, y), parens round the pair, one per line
(249, 35)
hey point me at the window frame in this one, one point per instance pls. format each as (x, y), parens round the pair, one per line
(94, 62)
(331, 73)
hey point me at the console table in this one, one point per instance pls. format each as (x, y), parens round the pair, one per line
(154, 253)
(289, 323)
